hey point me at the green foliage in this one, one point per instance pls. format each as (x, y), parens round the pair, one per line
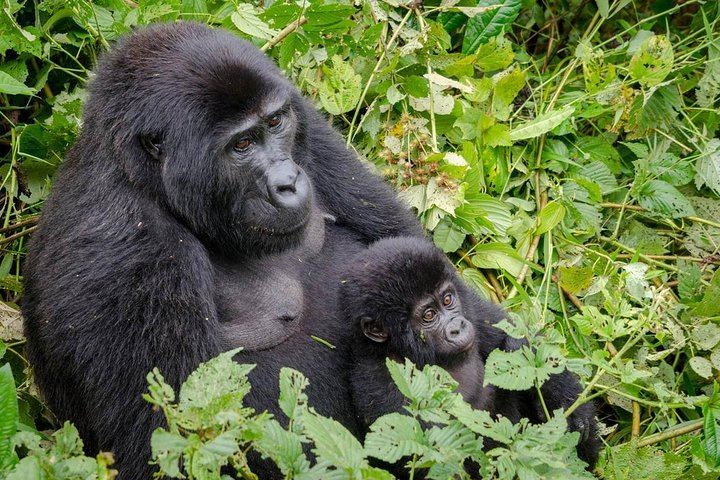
(565, 155)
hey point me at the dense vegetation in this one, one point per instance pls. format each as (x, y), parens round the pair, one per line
(564, 153)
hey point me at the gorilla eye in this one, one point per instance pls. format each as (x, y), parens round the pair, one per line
(242, 144)
(275, 121)
(428, 315)
(447, 299)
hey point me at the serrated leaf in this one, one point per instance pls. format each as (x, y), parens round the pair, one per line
(711, 438)
(394, 436)
(542, 124)
(167, 450)
(708, 166)
(481, 28)
(661, 197)
(292, 394)
(509, 370)
(334, 443)
(283, 447)
(708, 87)
(8, 415)
(11, 86)
(550, 216)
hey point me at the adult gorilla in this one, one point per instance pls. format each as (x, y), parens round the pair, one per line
(179, 225)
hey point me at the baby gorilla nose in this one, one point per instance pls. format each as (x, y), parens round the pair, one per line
(287, 186)
(457, 327)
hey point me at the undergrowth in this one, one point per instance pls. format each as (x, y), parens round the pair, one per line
(566, 156)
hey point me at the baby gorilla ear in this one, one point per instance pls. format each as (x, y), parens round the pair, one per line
(374, 329)
(152, 144)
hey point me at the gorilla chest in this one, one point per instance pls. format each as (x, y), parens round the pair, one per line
(259, 305)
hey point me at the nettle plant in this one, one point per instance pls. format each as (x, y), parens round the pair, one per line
(209, 428)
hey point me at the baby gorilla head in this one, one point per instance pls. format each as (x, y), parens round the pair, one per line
(403, 295)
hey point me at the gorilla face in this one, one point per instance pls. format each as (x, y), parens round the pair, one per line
(215, 140)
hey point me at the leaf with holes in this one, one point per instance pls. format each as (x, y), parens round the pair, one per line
(661, 197)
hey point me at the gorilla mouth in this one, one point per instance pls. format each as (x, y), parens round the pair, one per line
(280, 232)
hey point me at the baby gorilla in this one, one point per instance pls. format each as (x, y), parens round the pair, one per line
(407, 301)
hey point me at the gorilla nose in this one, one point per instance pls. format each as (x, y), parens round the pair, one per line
(457, 328)
(287, 186)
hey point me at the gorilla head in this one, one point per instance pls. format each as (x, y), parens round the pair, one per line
(228, 174)
(402, 294)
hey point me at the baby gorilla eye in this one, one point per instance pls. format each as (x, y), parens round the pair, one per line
(447, 299)
(428, 315)
(275, 121)
(242, 144)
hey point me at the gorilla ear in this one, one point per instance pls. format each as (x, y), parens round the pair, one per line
(152, 144)
(374, 329)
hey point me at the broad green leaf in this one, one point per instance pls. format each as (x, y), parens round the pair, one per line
(708, 166)
(706, 336)
(575, 279)
(283, 447)
(12, 87)
(711, 437)
(509, 370)
(542, 124)
(394, 436)
(167, 450)
(603, 8)
(481, 28)
(340, 90)
(334, 443)
(708, 88)
(549, 217)
(653, 61)
(292, 395)
(8, 415)
(661, 197)
(701, 366)
(447, 237)
(247, 21)
(497, 255)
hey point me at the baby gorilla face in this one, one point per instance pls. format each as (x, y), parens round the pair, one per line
(438, 319)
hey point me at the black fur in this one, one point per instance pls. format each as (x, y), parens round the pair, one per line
(387, 282)
(153, 235)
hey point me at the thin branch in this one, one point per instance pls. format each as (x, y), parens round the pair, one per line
(24, 223)
(672, 432)
(12, 238)
(638, 208)
(290, 28)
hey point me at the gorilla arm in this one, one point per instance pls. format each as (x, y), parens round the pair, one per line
(359, 199)
(146, 302)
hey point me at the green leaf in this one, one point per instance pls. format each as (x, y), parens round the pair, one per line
(394, 436)
(167, 450)
(711, 438)
(498, 256)
(8, 416)
(486, 25)
(12, 87)
(542, 124)
(283, 447)
(247, 21)
(653, 61)
(575, 279)
(447, 237)
(701, 366)
(549, 217)
(292, 394)
(708, 88)
(509, 370)
(661, 197)
(708, 166)
(340, 90)
(334, 443)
